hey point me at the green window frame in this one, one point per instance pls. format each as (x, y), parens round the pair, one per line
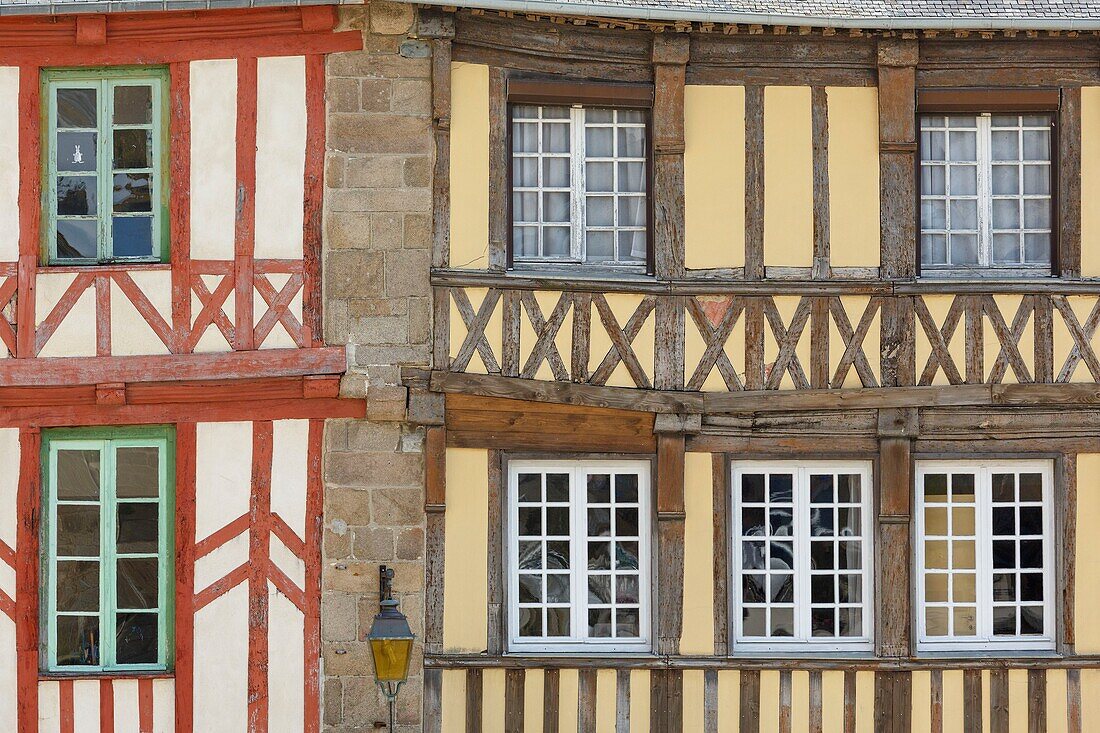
(105, 187)
(98, 552)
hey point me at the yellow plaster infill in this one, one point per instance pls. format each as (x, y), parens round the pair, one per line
(1090, 700)
(865, 702)
(714, 176)
(953, 701)
(1057, 710)
(533, 697)
(698, 630)
(492, 699)
(921, 702)
(788, 177)
(853, 176)
(453, 702)
(469, 165)
(568, 688)
(606, 684)
(1017, 701)
(465, 558)
(769, 701)
(1087, 585)
(729, 700)
(639, 701)
(693, 692)
(1090, 181)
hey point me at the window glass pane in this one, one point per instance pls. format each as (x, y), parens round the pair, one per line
(132, 236)
(78, 474)
(78, 585)
(76, 151)
(77, 238)
(76, 195)
(76, 108)
(137, 471)
(136, 638)
(133, 105)
(78, 640)
(132, 192)
(132, 148)
(138, 527)
(137, 582)
(78, 530)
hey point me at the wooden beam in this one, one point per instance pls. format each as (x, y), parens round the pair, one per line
(754, 182)
(1069, 184)
(896, 428)
(435, 504)
(897, 60)
(495, 571)
(670, 57)
(500, 189)
(670, 542)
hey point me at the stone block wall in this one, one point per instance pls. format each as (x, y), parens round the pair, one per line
(377, 255)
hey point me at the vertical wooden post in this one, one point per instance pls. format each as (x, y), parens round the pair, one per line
(897, 98)
(819, 106)
(670, 56)
(435, 506)
(667, 697)
(1069, 184)
(754, 183)
(495, 570)
(499, 185)
(896, 429)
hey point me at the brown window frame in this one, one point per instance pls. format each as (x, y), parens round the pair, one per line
(586, 94)
(931, 101)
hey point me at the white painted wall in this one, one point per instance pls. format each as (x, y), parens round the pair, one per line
(213, 158)
(221, 643)
(286, 684)
(280, 156)
(130, 332)
(9, 163)
(290, 449)
(223, 474)
(75, 336)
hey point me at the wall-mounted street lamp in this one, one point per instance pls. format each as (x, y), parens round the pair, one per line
(391, 642)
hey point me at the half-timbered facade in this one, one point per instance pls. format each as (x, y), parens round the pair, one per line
(766, 353)
(163, 376)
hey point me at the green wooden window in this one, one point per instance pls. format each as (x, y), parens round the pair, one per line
(108, 521)
(106, 146)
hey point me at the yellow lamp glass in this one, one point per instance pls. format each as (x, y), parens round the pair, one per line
(391, 659)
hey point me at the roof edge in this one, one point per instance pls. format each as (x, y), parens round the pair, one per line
(659, 14)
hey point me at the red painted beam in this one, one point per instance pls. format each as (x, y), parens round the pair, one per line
(171, 367)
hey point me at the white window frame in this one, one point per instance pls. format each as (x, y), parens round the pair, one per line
(985, 640)
(579, 641)
(985, 197)
(806, 643)
(578, 188)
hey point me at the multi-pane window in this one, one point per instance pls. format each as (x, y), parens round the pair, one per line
(108, 538)
(801, 556)
(985, 183)
(105, 150)
(578, 555)
(579, 184)
(985, 555)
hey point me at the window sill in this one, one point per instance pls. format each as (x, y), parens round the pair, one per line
(107, 268)
(580, 272)
(113, 674)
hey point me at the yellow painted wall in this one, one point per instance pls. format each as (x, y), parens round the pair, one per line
(1087, 584)
(465, 555)
(788, 177)
(714, 176)
(469, 165)
(1090, 181)
(698, 631)
(853, 176)
(492, 699)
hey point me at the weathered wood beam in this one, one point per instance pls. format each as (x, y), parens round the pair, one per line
(500, 189)
(1069, 183)
(670, 542)
(897, 428)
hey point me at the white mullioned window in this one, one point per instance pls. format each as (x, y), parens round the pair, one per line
(579, 184)
(578, 556)
(985, 183)
(802, 556)
(985, 555)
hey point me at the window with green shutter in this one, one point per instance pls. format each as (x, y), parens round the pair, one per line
(106, 151)
(108, 520)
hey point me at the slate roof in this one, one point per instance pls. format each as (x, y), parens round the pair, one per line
(54, 7)
(870, 14)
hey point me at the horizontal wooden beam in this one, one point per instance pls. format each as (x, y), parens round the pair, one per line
(574, 282)
(566, 393)
(559, 661)
(57, 371)
(828, 399)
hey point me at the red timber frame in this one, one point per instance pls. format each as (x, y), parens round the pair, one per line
(181, 388)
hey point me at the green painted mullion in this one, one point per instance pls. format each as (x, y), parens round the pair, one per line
(104, 169)
(51, 607)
